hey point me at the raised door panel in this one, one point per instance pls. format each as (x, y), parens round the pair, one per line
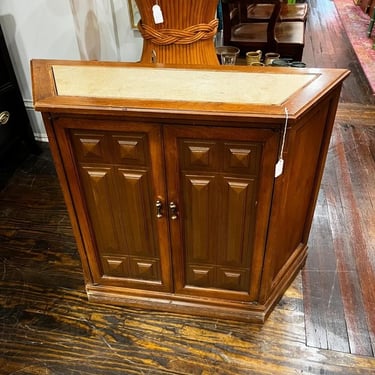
(117, 189)
(218, 218)
(222, 182)
(126, 241)
(97, 182)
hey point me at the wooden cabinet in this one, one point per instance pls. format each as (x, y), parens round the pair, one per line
(173, 198)
(16, 136)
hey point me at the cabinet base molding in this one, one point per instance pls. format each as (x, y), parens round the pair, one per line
(246, 312)
(251, 312)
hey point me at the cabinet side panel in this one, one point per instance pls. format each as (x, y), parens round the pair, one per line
(57, 149)
(294, 193)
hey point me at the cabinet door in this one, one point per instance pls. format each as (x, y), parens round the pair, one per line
(116, 177)
(221, 181)
(9, 131)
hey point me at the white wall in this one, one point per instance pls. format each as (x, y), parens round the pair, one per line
(55, 29)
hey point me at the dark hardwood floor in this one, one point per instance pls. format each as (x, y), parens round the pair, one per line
(327, 46)
(323, 325)
(339, 276)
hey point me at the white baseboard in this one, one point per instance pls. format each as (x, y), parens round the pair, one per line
(35, 121)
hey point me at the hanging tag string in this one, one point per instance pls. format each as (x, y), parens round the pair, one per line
(284, 133)
(279, 167)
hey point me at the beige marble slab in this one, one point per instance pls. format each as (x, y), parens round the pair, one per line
(178, 84)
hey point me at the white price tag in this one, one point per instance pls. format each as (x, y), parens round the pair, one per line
(279, 168)
(157, 14)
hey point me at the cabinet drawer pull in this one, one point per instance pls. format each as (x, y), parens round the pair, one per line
(4, 117)
(159, 207)
(173, 211)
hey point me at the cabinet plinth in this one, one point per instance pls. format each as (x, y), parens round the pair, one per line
(172, 196)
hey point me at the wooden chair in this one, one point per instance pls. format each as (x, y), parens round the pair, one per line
(266, 32)
(289, 12)
(290, 27)
(249, 34)
(290, 38)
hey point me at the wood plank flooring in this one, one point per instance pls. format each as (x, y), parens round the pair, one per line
(328, 46)
(339, 274)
